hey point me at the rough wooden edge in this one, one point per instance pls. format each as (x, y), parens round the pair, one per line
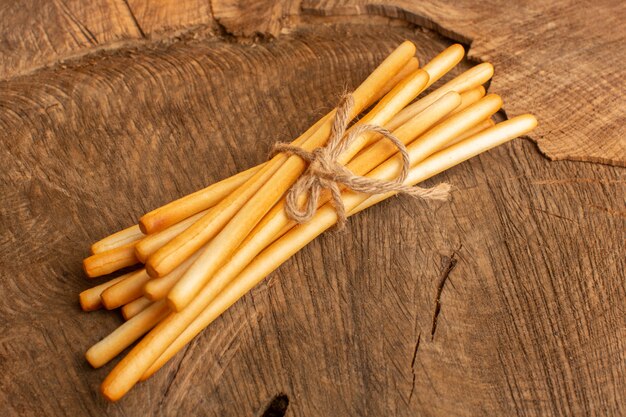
(220, 31)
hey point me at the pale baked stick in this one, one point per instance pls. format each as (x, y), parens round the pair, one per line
(184, 207)
(146, 352)
(125, 291)
(435, 139)
(484, 125)
(181, 247)
(129, 235)
(153, 242)
(472, 78)
(469, 97)
(178, 210)
(409, 68)
(157, 288)
(444, 62)
(90, 298)
(103, 263)
(122, 337)
(298, 237)
(135, 307)
(230, 237)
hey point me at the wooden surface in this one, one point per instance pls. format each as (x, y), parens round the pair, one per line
(564, 59)
(509, 300)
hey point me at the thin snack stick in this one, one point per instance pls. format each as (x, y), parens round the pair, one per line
(469, 97)
(472, 78)
(231, 236)
(174, 212)
(129, 235)
(180, 248)
(177, 210)
(157, 288)
(135, 307)
(298, 237)
(125, 291)
(444, 62)
(174, 252)
(122, 337)
(103, 263)
(432, 141)
(90, 298)
(408, 69)
(485, 124)
(151, 243)
(439, 66)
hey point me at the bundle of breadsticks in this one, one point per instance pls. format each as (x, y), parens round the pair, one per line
(198, 255)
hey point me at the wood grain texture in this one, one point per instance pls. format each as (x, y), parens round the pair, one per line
(35, 34)
(170, 15)
(551, 57)
(509, 300)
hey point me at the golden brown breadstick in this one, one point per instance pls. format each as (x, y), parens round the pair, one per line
(111, 260)
(90, 298)
(125, 291)
(135, 307)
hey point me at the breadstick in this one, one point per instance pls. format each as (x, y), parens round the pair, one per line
(298, 237)
(129, 235)
(409, 68)
(122, 337)
(472, 78)
(469, 97)
(485, 124)
(135, 307)
(157, 288)
(178, 210)
(153, 242)
(181, 247)
(184, 207)
(231, 236)
(125, 291)
(90, 298)
(444, 62)
(434, 140)
(111, 260)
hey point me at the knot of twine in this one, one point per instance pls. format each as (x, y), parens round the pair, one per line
(325, 172)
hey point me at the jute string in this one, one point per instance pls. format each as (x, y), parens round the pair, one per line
(325, 172)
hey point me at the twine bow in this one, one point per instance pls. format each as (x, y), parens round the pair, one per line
(325, 172)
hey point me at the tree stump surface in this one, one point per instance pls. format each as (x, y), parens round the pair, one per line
(508, 300)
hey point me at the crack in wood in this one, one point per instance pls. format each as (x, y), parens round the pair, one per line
(448, 265)
(417, 346)
(89, 36)
(277, 407)
(134, 19)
